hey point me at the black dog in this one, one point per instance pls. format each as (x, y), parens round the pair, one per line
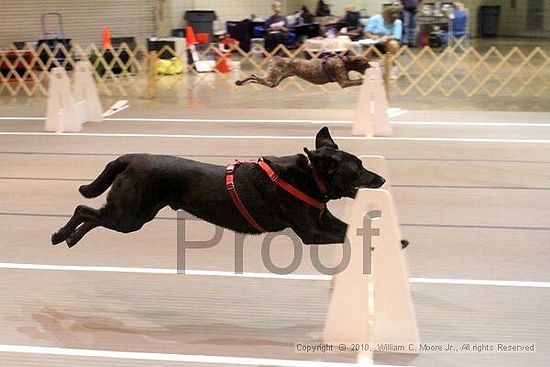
(142, 184)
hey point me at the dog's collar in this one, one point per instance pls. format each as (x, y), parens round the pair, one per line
(320, 184)
(324, 60)
(293, 190)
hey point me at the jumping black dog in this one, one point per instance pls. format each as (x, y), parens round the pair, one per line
(142, 184)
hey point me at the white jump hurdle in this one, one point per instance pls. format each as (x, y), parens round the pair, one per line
(69, 108)
(373, 308)
(371, 114)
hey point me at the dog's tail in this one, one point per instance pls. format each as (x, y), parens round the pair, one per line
(105, 178)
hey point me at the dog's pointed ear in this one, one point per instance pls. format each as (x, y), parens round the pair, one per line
(323, 139)
(314, 156)
(309, 153)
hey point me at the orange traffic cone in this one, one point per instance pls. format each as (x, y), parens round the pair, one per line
(222, 64)
(106, 37)
(190, 37)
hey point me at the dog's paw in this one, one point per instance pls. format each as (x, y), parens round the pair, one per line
(70, 242)
(404, 244)
(57, 238)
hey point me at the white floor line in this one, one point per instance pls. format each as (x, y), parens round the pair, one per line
(273, 121)
(276, 137)
(21, 118)
(304, 121)
(392, 112)
(168, 357)
(460, 123)
(154, 119)
(497, 283)
(113, 269)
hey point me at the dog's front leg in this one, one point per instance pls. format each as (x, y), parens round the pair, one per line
(344, 83)
(327, 229)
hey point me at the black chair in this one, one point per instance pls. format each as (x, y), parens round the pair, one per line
(305, 31)
(118, 41)
(352, 20)
(202, 21)
(59, 57)
(242, 32)
(178, 32)
(164, 45)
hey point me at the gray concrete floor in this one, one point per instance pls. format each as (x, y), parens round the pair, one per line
(472, 209)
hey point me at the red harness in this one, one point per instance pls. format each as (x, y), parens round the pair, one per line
(230, 185)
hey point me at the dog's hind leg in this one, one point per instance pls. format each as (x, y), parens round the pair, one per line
(81, 214)
(80, 231)
(105, 178)
(272, 80)
(251, 79)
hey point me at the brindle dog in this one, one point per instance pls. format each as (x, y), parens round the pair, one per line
(327, 69)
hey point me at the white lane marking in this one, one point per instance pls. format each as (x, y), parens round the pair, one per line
(20, 118)
(168, 357)
(275, 137)
(392, 112)
(113, 269)
(461, 123)
(145, 119)
(305, 121)
(273, 121)
(497, 283)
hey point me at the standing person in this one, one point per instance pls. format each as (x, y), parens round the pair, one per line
(410, 17)
(277, 27)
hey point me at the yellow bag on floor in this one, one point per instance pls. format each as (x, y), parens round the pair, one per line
(170, 67)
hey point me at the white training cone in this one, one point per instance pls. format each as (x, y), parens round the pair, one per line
(85, 90)
(61, 111)
(371, 115)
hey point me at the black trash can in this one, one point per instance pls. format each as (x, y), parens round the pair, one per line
(202, 21)
(488, 20)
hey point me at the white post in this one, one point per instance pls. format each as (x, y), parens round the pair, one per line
(394, 316)
(61, 112)
(371, 117)
(350, 311)
(373, 308)
(85, 90)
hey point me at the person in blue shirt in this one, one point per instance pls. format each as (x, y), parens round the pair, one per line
(386, 28)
